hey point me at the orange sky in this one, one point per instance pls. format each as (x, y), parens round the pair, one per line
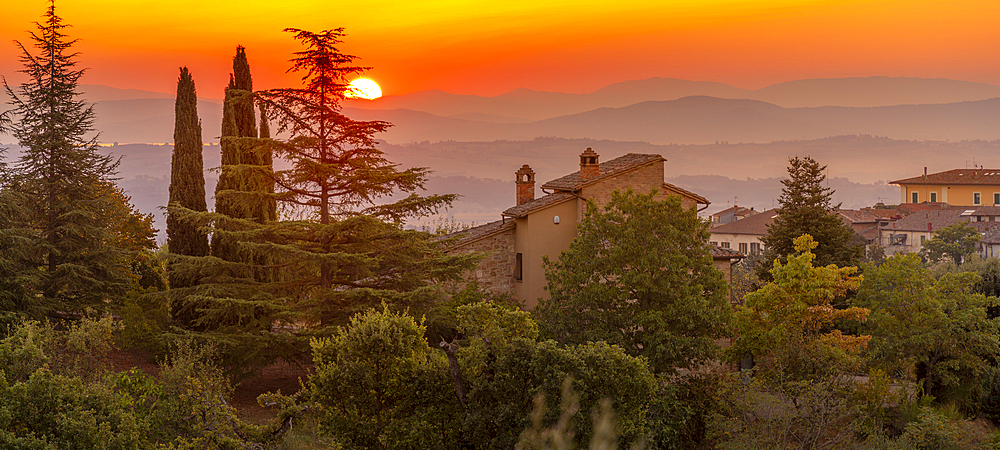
(487, 48)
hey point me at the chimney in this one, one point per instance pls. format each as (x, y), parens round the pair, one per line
(525, 184)
(589, 165)
(930, 227)
(925, 172)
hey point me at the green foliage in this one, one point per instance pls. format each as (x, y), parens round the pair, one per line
(938, 327)
(187, 178)
(806, 209)
(780, 414)
(639, 275)
(682, 409)
(955, 242)
(790, 319)
(381, 386)
(932, 431)
(501, 393)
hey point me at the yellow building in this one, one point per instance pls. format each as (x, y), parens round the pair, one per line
(960, 187)
(545, 226)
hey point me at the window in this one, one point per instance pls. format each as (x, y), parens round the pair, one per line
(996, 198)
(724, 245)
(976, 198)
(713, 243)
(923, 239)
(755, 247)
(933, 197)
(914, 197)
(517, 267)
(897, 239)
(743, 248)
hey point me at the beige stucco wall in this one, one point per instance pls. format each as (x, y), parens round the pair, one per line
(960, 195)
(537, 236)
(734, 240)
(913, 241)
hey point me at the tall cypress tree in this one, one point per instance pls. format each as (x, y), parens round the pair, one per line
(242, 191)
(187, 180)
(60, 178)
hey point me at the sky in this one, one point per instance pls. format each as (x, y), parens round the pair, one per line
(487, 48)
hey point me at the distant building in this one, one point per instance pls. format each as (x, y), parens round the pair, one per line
(908, 234)
(959, 187)
(731, 214)
(545, 226)
(744, 235)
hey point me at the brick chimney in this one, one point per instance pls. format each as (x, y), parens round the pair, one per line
(525, 184)
(589, 164)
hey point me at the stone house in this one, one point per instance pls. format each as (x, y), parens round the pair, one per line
(731, 214)
(744, 235)
(538, 227)
(908, 234)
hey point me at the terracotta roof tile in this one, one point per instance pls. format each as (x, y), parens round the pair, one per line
(725, 253)
(482, 231)
(956, 176)
(858, 215)
(686, 193)
(538, 203)
(738, 210)
(755, 224)
(615, 166)
(918, 221)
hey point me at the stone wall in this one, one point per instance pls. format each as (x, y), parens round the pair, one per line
(642, 180)
(496, 271)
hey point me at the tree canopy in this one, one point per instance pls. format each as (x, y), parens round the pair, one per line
(955, 242)
(791, 317)
(639, 275)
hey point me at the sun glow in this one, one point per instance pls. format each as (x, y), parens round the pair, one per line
(364, 88)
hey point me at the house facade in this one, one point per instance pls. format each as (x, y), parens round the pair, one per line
(538, 227)
(959, 187)
(908, 234)
(744, 235)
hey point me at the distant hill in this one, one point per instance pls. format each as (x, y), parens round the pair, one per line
(151, 120)
(537, 105)
(703, 120)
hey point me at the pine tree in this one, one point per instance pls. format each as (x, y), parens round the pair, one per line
(60, 177)
(187, 180)
(806, 209)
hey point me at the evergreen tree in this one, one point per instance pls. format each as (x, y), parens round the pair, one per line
(187, 180)
(357, 255)
(60, 177)
(806, 209)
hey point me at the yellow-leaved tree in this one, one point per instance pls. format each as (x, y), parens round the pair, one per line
(788, 324)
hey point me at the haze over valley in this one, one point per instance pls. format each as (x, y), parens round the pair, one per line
(729, 144)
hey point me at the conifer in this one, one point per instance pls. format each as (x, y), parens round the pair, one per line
(61, 176)
(187, 180)
(806, 208)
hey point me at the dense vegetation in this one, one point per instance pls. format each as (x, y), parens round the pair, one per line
(894, 353)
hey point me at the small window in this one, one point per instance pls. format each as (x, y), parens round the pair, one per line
(724, 245)
(976, 200)
(914, 197)
(713, 243)
(933, 197)
(923, 239)
(517, 267)
(996, 198)
(743, 248)
(755, 247)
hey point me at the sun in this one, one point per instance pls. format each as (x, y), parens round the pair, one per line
(363, 88)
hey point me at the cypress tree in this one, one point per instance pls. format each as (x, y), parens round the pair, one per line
(242, 191)
(61, 178)
(187, 180)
